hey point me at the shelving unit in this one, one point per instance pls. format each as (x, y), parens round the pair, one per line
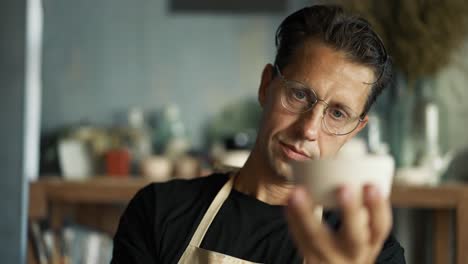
(99, 202)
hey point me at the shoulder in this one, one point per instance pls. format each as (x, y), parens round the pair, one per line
(158, 201)
(148, 212)
(179, 190)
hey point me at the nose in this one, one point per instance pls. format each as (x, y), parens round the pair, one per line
(310, 123)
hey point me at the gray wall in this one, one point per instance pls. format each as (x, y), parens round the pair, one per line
(13, 182)
(104, 57)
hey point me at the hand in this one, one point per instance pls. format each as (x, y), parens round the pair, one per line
(365, 226)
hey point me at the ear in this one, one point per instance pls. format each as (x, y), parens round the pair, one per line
(267, 77)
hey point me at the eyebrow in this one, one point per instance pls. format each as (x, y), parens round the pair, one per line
(347, 109)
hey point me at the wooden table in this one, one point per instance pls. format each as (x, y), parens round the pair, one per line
(107, 191)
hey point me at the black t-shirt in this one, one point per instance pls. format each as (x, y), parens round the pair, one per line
(160, 220)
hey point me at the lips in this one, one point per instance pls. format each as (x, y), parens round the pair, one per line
(293, 153)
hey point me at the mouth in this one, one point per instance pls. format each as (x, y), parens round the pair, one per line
(293, 153)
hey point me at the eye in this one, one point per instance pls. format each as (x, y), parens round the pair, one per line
(337, 113)
(299, 94)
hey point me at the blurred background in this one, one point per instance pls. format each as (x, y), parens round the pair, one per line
(99, 98)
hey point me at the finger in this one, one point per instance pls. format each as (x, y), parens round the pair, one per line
(380, 214)
(354, 231)
(311, 236)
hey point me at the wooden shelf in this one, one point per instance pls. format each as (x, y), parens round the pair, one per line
(99, 201)
(98, 190)
(445, 196)
(103, 189)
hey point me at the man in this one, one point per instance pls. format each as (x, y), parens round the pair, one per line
(329, 69)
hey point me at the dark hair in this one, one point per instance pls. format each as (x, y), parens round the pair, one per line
(344, 32)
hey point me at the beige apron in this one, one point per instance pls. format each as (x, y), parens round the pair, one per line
(193, 254)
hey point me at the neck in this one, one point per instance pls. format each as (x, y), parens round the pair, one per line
(255, 180)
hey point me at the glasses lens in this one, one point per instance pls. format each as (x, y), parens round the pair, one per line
(340, 122)
(297, 98)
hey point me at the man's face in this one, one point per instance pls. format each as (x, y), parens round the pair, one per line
(285, 136)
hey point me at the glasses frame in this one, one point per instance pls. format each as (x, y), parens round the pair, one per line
(285, 86)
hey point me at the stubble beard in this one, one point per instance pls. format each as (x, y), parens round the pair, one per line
(280, 169)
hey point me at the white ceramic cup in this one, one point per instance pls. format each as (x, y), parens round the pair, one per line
(322, 177)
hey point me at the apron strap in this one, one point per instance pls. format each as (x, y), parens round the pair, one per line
(211, 212)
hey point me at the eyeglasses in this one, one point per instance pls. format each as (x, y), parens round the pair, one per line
(296, 97)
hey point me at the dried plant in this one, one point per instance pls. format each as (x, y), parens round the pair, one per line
(420, 34)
